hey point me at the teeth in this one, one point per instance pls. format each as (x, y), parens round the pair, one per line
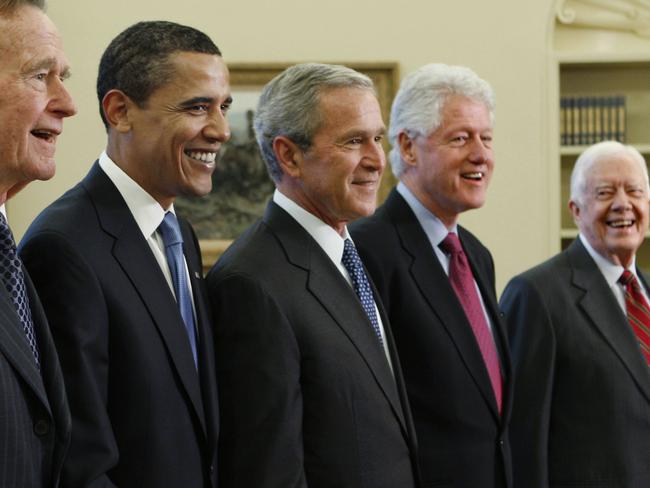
(206, 157)
(620, 223)
(473, 176)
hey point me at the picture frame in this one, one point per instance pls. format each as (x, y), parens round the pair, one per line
(241, 185)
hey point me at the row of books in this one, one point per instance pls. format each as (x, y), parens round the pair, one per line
(586, 120)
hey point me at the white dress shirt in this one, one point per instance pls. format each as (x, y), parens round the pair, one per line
(329, 240)
(148, 215)
(612, 272)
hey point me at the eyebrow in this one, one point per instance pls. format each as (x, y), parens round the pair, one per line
(195, 100)
(48, 63)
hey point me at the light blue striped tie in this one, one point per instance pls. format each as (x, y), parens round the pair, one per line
(171, 234)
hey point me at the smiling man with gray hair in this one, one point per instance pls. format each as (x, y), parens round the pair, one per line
(310, 386)
(579, 326)
(437, 280)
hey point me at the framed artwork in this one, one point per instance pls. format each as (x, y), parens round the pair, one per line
(241, 186)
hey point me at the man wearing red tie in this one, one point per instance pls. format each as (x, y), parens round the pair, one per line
(436, 279)
(578, 326)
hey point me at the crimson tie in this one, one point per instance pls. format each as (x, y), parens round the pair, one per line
(638, 312)
(462, 281)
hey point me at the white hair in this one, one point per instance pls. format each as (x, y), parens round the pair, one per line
(421, 97)
(598, 152)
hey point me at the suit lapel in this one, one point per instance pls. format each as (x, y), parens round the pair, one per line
(134, 256)
(329, 287)
(598, 302)
(435, 287)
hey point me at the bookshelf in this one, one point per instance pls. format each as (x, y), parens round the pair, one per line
(593, 76)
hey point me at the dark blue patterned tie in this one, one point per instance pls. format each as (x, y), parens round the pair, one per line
(352, 263)
(12, 276)
(171, 234)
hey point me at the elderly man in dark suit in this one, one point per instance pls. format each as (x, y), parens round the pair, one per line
(34, 415)
(579, 326)
(310, 385)
(436, 279)
(120, 276)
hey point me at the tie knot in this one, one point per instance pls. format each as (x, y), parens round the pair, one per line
(451, 244)
(350, 255)
(6, 237)
(170, 231)
(627, 278)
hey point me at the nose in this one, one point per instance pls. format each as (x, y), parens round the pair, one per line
(61, 103)
(217, 128)
(375, 157)
(480, 153)
(621, 200)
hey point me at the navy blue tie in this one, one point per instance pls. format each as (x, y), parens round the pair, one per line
(11, 269)
(171, 234)
(352, 263)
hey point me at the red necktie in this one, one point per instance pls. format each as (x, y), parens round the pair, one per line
(462, 281)
(638, 312)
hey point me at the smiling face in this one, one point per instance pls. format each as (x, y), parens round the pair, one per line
(169, 145)
(337, 178)
(449, 170)
(612, 211)
(33, 100)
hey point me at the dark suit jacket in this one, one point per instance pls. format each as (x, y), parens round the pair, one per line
(307, 395)
(34, 415)
(581, 414)
(461, 437)
(141, 414)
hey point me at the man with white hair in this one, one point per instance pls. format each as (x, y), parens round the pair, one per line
(579, 328)
(436, 279)
(34, 413)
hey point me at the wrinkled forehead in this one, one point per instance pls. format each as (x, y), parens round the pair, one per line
(617, 167)
(28, 28)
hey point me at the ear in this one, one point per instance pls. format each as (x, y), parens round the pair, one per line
(289, 155)
(116, 105)
(407, 148)
(575, 210)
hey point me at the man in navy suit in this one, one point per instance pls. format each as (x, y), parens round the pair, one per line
(579, 324)
(310, 384)
(452, 345)
(34, 415)
(120, 276)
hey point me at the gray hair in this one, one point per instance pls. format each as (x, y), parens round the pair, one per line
(8, 7)
(417, 108)
(598, 152)
(289, 106)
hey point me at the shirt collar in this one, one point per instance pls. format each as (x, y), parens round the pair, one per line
(327, 238)
(610, 271)
(146, 211)
(433, 227)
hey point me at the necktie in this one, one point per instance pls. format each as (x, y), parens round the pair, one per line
(352, 263)
(11, 270)
(638, 313)
(462, 281)
(171, 234)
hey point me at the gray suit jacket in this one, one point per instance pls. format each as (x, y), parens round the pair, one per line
(307, 395)
(581, 412)
(34, 415)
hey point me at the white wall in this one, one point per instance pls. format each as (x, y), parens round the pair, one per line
(505, 41)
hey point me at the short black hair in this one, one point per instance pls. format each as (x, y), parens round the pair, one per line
(137, 61)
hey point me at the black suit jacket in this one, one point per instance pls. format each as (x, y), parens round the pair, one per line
(461, 436)
(142, 415)
(34, 415)
(307, 395)
(581, 414)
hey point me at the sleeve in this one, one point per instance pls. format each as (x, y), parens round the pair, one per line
(532, 342)
(258, 374)
(77, 314)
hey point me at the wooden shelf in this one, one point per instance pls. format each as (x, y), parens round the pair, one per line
(644, 148)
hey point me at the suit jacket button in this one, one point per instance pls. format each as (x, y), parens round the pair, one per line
(41, 428)
(212, 469)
